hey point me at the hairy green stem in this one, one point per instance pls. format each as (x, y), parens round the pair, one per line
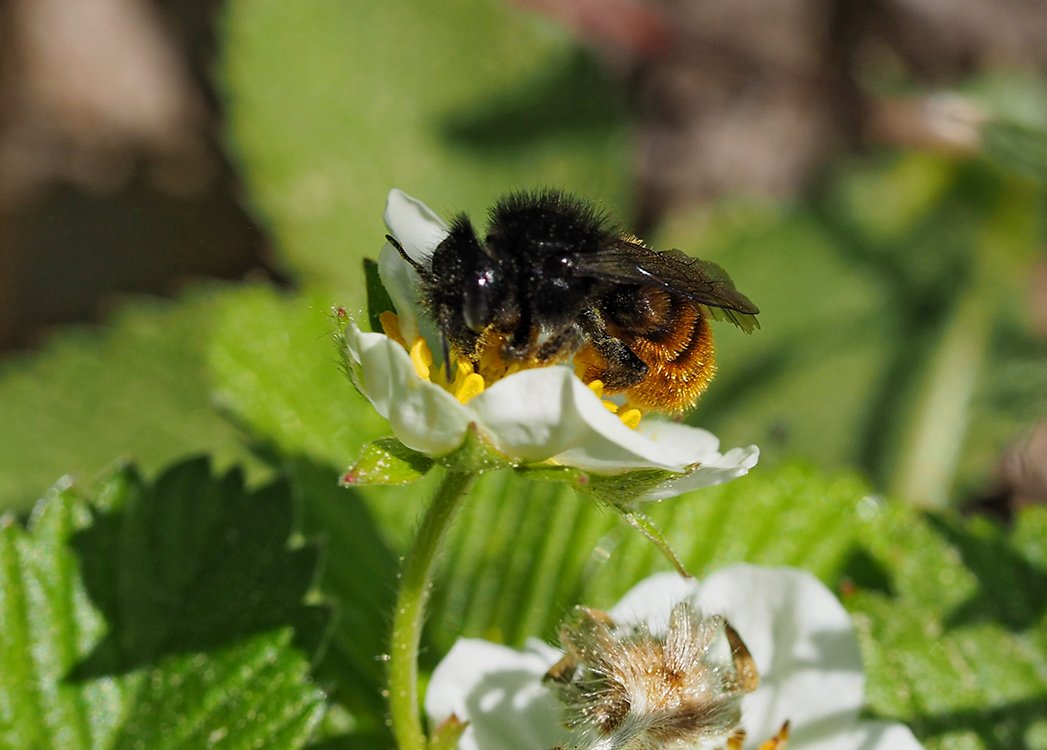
(409, 615)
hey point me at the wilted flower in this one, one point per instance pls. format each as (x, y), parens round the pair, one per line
(671, 634)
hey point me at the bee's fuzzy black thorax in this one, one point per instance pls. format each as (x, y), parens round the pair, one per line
(529, 218)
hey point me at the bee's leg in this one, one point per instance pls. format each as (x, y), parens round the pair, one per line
(519, 341)
(561, 346)
(624, 369)
(446, 347)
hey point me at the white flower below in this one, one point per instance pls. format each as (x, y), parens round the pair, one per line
(801, 640)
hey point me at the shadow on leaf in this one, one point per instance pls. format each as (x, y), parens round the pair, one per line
(193, 563)
(1000, 727)
(864, 572)
(1011, 590)
(574, 97)
(359, 579)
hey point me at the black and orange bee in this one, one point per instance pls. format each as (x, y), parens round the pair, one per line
(554, 280)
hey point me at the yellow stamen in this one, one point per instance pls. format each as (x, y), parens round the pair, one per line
(596, 387)
(421, 357)
(462, 369)
(471, 387)
(489, 362)
(391, 327)
(465, 367)
(611, 406)
(631, 418)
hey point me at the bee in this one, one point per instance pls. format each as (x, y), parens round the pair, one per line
(554, 280)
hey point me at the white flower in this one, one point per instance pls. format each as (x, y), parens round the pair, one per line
(530, 416)
(800, 637)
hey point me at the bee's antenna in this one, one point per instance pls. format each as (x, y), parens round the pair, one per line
(422, 271)
(447, 357)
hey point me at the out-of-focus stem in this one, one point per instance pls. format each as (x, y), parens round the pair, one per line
(931, 444)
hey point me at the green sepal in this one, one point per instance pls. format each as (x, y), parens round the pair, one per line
(378, 299)
(475, 455)
(339, 322)
(645, 526)
(546, 472)
(619, 492)
(624, 491)
(387, 461)
(350, 368)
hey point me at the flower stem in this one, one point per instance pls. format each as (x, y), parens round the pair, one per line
(409, 615)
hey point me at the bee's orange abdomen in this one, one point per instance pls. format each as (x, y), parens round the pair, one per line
(681, 362)
(678, 352)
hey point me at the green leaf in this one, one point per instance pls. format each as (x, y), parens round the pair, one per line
(521, 553)
(255, 693)
(951, 614)
(958, 647)
(352, 665)
(137, 388)
(203, 560)
(277, 374)
(168, 615)
(387, 461)
(1020, 147)
(889, 244)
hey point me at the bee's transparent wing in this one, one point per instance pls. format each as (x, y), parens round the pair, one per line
(700, 281)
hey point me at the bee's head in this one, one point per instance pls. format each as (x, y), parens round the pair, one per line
(473, 275)
(482, 292)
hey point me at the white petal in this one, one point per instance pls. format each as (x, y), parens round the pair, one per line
(714, 469)
(804, 646)
(870, 735)
(423, 416)
(800, 636)
(681, 443)
(650, 601)
(499, 691)
(402, 283)
(419, 231)
(549, 413)
(414, 225)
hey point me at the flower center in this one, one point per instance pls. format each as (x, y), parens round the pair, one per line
(631, 417)
(467, 381)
